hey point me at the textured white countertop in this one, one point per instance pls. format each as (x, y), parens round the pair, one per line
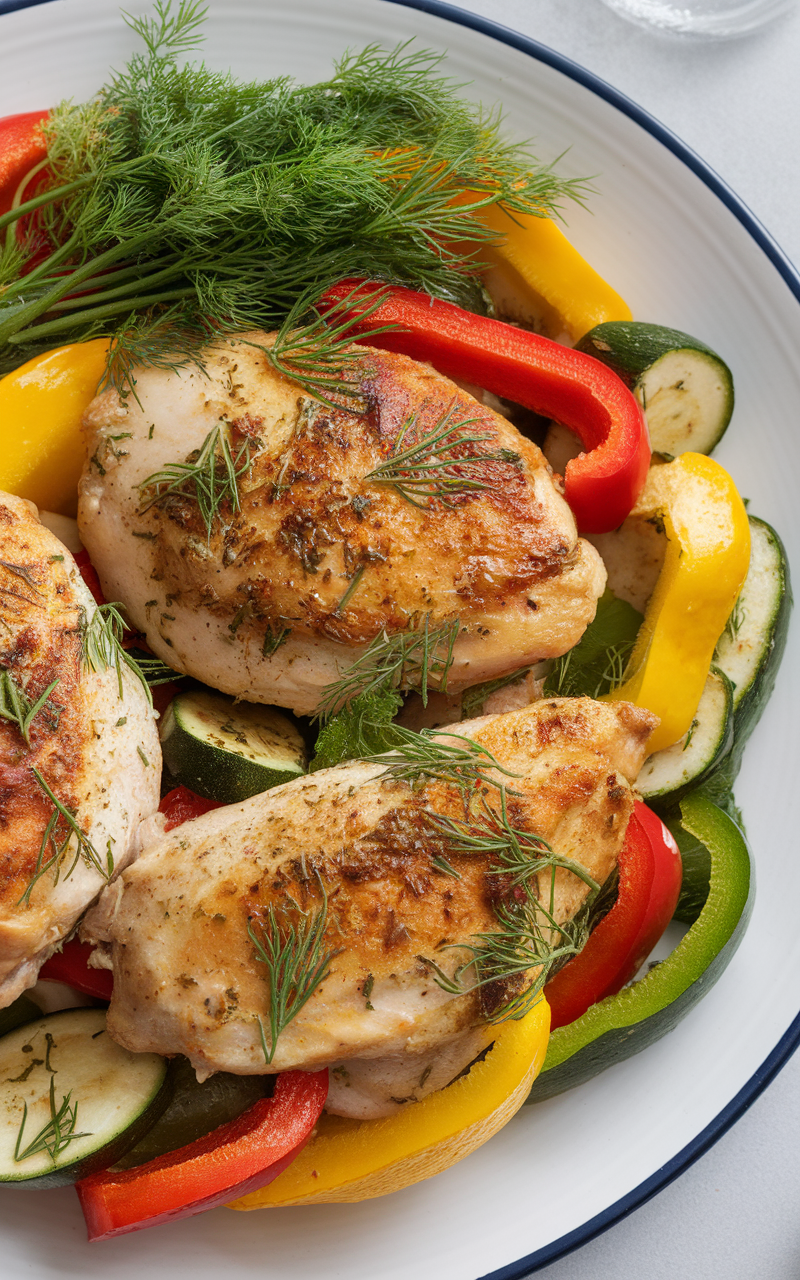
(734, 1214)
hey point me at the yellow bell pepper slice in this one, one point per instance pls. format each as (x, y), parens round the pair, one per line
(706, 561)
(350, 1160)
(543, 266)
(41, 405)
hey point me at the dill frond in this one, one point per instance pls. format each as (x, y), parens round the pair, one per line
(19, 709)
(55, 1134)
(291, 946)
(180, 196)
(209, 477)
(440, 462)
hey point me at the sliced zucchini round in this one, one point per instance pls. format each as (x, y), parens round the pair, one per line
(226, 750)
(667, 775)
(751, 646)
(685, 388)
(71, 1099)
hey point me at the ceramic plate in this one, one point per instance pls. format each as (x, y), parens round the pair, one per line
(681, 249)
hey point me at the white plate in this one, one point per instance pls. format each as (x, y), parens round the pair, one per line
(684, 253)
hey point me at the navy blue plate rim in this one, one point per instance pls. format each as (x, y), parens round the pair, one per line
(786, 1046)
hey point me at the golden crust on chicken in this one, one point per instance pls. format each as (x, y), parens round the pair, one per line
(271, 601)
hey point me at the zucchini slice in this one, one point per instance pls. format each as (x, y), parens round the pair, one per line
(226, 750)
(669, 774)
(751, 647)
(685, 388)
(71, 1099)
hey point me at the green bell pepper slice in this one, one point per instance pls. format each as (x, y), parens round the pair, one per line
(622, 1025)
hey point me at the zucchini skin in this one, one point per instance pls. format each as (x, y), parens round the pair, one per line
(607, 1033)
(67, 1172)
(751, 703)
(630, 347)
(664, 802)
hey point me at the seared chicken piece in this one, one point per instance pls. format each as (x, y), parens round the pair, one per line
(358, 848)
(93, 748)
(319, 560)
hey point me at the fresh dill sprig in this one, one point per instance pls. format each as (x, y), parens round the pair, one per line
(62, 828)
(291, 946)
(180, 204)
(528, 936)
(154, 670)
(57, 1132)
(440, 462)
(736, 619)
(209, 477)
(438, 755)
(17, 707)
(407, 660)
(103, 648)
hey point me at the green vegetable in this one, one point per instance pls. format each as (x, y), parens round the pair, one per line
(195, 1109)
(684, 387)
(227, 750)
(183, 202)
(597, 662)
(362, 728)
(751, 647)
(71, 1099)
(622, 1025)
(669, 774)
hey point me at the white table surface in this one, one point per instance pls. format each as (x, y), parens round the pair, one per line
(734, 1214)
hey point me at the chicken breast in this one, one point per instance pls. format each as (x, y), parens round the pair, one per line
(77, 777)
(319, 559)
(361, 863)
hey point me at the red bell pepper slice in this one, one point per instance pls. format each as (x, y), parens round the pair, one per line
(181, 805)
(21, 148)
(71, 965)
(650, 871)
(238, 1157)
(600, 485)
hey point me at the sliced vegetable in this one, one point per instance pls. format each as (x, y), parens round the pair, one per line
(233, 1160)
(351, 1160)
(650, 874)
(602, 484)
(182, 805)
(73, 1100)
(22, 147)
(41, 405)
(71, 965)
(17, 1014)
(195, 1109)
(685, 388)
(227, 750)
(534, 263)
(751, 647)
(670, 773)
(706, 561)
(624, 1024)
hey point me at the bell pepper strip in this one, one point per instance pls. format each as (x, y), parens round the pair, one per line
(41, 405)
(234, 1159)
(71, 965)
(624, 1024)
(181, 805)
(535, 259)
(706, 562)
(650, 873)
(350, 1160)
(602, 484)
(22, 148)
(89, 575)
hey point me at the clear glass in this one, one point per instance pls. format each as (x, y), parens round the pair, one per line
(702, 19)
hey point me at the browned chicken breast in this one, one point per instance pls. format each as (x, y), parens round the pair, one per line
(360, 867)
(77, 774)
(271, 601)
